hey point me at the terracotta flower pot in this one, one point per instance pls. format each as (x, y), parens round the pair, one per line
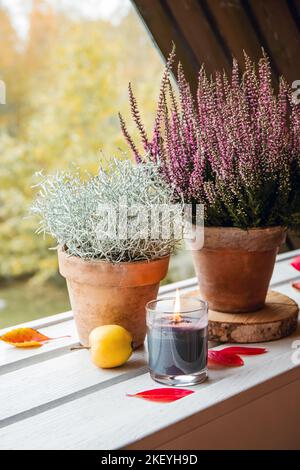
(103, 293)
(235, 266)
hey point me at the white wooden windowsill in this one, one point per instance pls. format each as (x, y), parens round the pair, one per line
(52, 398)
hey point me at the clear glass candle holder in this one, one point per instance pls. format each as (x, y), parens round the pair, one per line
(177, 340)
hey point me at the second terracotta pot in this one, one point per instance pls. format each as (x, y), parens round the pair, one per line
(103, 293)
(235, 266)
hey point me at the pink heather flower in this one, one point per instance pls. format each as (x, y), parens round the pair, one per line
(234, 147)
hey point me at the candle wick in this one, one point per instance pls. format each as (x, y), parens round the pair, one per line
(177, 318)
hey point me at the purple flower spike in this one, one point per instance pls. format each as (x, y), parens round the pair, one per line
(234, 147)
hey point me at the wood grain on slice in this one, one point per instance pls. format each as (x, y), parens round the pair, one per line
(277, 319)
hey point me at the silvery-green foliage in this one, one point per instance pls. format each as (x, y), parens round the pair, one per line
(72, 209)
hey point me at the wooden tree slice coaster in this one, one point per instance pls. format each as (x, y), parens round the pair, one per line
(276, 320)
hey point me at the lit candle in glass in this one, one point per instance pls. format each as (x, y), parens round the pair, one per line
(177, 340)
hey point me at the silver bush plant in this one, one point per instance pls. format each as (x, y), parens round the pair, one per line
(69, 209)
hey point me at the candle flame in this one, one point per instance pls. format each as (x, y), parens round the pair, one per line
(177, 316)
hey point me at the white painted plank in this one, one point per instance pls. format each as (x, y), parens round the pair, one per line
(288, 290)
(60, 377)
(262, 424)
(56, 378)
(181, 285)
(42, 322)
(73, 377)
(111, 420)
(288, 255)
(284, 272)
(10, 355)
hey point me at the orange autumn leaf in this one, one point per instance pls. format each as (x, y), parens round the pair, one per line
(27, 344)
(26, 338)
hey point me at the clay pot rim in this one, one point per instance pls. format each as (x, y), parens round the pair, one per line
(104, 261)
(103, 273)
(270, 228)
(252, 239)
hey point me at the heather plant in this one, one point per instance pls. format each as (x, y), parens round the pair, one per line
(234, 147)
(76, 210)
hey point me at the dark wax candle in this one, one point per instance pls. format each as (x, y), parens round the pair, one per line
(177, 347)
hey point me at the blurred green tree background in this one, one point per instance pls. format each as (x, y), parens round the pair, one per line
(66, 80)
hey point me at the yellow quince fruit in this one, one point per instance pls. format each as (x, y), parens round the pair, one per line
(110, 346)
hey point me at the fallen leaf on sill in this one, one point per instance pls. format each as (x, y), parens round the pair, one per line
(296, 263)
(163, 395)
(227, 360)
(243, 351)
(296, 285)
(26, 338)
(27, 344)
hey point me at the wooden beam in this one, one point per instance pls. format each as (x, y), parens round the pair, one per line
(164, 30)
(281, 35)
(210, 31)
(196, 25)
(235, 28)
(294, 6)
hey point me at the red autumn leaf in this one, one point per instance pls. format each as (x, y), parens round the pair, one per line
(296, 263)
(228, 360)
(164, 395)
(243, 351)
(26, 338)
(296, 285)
